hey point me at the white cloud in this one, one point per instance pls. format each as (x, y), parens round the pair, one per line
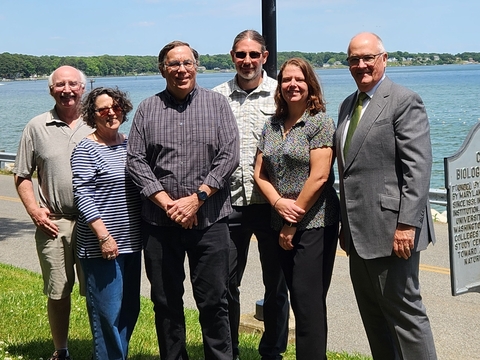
(144, 24)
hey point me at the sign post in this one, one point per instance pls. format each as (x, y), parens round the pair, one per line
(462, 181)
(269, 33)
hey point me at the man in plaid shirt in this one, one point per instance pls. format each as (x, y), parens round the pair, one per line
(250, 95)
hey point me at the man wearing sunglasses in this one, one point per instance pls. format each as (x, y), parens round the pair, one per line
(250, 94)
(46, 146)
(182, 149)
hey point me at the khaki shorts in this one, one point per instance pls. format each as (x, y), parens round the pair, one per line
(58, 260)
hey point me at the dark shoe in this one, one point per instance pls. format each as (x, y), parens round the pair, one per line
(61, 355)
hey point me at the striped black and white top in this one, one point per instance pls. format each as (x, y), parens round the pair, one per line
(103, 189)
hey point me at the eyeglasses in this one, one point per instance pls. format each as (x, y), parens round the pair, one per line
(187, 64)
(105, 111)
(252, 54)
(73, 85)
(367, 59)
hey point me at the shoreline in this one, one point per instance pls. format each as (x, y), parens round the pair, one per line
(232, 70)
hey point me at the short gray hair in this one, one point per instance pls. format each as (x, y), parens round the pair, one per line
(83, 77)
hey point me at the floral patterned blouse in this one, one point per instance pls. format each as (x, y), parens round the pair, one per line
(287, 162)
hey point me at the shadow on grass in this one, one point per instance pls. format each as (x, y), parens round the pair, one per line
(81, 349)
(43, 349)
(195, 352)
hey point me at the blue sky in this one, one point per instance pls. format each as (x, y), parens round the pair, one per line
(143, 27)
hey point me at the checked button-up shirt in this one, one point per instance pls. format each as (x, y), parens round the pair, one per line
(251, 111)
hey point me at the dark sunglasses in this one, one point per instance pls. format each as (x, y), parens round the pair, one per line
(252, 54)
(105, 112)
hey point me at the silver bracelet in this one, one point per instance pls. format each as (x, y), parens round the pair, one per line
(104, 238)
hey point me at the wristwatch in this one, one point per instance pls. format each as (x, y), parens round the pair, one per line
(202, 195)
(290, 224)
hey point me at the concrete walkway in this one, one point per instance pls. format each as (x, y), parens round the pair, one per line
(455, 320)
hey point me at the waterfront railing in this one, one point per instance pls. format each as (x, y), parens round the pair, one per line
(6, 158)
(436, 196)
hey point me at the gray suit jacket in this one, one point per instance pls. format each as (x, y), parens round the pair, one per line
(385, 178)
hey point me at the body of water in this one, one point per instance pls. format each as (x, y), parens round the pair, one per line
(451, 94)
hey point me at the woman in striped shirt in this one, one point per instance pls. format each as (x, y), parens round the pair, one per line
(108, 229)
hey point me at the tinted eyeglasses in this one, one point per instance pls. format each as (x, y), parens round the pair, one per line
(105, 111)
(252, 54)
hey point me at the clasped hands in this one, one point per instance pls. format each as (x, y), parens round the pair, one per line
(291, 213)
(109, 248)
(184, 211)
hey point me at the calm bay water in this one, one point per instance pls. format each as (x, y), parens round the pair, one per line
(451, 95)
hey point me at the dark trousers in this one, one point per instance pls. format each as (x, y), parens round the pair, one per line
(208, 256)
(308, 271)
(387, 290)
(243, 223)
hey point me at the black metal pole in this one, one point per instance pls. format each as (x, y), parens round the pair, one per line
(269, 32)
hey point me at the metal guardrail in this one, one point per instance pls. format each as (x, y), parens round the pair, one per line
(6, 158)
(436, 196)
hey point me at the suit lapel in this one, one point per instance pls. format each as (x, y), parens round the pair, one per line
(371, 114)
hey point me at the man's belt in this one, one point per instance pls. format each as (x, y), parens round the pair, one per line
(62, 216)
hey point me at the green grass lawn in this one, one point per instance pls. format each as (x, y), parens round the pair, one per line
(25, 334)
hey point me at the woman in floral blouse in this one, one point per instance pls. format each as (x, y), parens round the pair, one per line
(294, 172)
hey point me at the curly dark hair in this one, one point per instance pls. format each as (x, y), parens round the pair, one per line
(315, 100)
(119, 98)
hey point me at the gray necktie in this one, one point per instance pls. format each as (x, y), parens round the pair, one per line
(354, 122)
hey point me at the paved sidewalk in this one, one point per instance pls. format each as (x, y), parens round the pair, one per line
(455, 320)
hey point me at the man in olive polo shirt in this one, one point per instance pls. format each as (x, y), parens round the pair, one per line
(45, 146)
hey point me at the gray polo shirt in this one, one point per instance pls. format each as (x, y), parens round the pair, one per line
(46, 146)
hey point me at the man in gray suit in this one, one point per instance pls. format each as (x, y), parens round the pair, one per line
(384, 170)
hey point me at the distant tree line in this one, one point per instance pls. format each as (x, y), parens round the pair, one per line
(17, 66)
(13, 66)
